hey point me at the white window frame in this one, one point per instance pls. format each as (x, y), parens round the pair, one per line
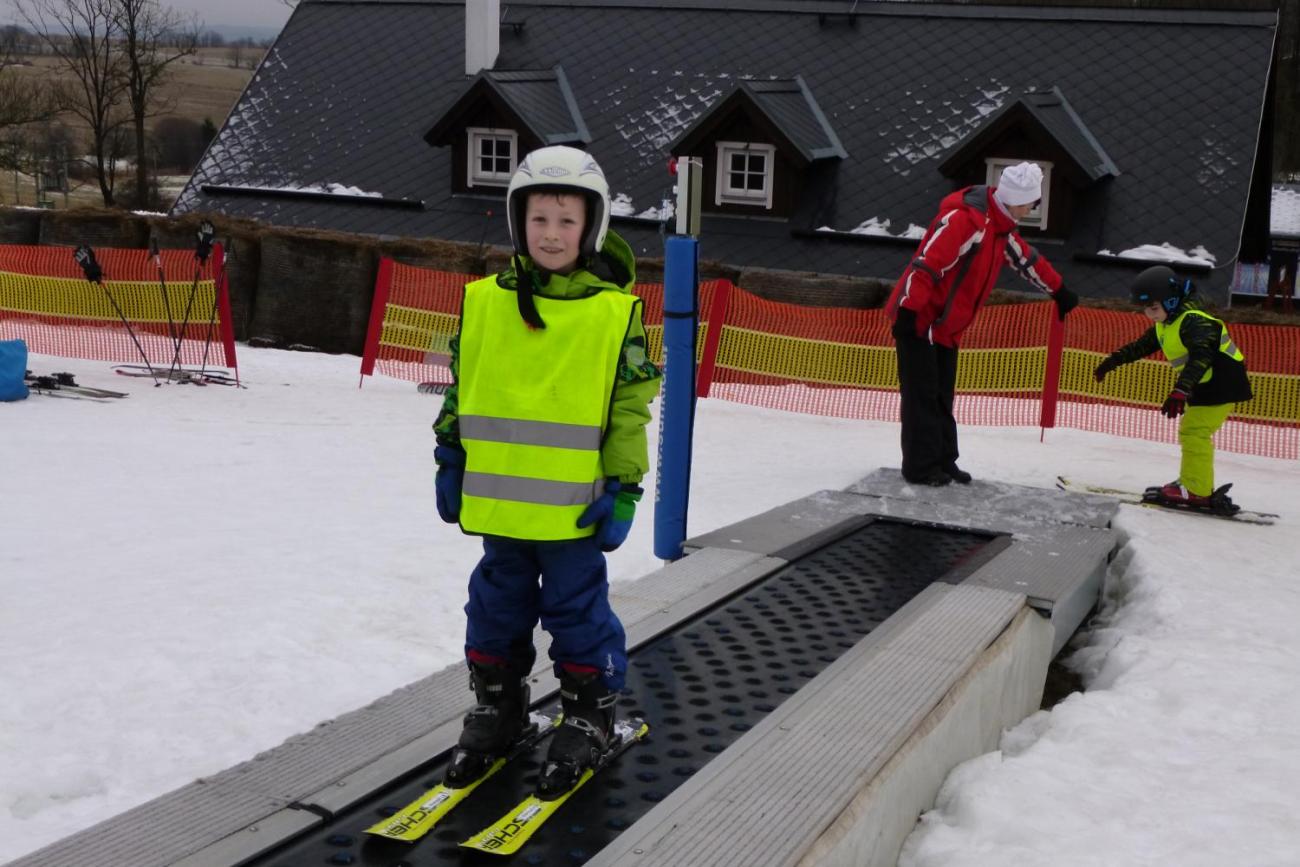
(473, 176)
(725, 194)
(1036, 218)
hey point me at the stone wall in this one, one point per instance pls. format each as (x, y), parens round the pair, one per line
(312, 290)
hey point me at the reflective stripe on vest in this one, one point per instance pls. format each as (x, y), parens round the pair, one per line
(534, 404)
(1171, 342)
(537, 433)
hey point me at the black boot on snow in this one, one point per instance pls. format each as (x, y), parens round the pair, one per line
(493, 726)
(585, 735)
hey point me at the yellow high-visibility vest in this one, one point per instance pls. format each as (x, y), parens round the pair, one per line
(534, 405)
(1171, 343)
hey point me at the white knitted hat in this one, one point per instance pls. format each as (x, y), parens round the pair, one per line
(1021, 184)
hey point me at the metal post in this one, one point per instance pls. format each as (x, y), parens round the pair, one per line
(677, 406)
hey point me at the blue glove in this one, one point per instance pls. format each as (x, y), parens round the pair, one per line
(451, 475)
(614, 510)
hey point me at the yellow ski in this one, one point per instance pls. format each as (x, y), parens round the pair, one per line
(421, 815)
(513, 830)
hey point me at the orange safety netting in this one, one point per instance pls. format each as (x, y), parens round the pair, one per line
(46, 301)
(1125, 403)
(840, 362)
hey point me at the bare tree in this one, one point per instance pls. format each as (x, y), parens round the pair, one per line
(153, 38)
(82, 36)
(24, 101)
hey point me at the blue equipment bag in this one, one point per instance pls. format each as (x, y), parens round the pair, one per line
(13, 369)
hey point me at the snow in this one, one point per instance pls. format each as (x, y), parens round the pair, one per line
(1285, 213)
(1165, 252)
(937, 123)
(330, 188)
(621, 205)
(665, 211)
(879, 228)
(192, 575)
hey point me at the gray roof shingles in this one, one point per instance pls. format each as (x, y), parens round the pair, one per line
(349, 88)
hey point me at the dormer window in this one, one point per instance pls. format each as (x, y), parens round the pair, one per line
(493, 155)
(1036, 218)
(745, 173)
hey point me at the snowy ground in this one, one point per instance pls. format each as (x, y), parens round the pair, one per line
(191, 575)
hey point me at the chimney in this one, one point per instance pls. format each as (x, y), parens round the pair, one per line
(482, 34)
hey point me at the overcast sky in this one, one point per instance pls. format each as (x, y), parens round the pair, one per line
(245, 13)
(241, 13)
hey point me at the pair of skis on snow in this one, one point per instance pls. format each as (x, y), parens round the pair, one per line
(181, 375)
(65, 385)
(508, 834)
(1151, 499)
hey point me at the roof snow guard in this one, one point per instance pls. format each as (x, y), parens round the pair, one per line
(1052, 113)
(788, 108)
(540, 100)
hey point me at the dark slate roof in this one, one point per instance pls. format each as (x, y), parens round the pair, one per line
(542, 100)
(1053, 113)
(789, 106)
(349, 88)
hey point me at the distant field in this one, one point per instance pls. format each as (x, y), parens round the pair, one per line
(200, 87)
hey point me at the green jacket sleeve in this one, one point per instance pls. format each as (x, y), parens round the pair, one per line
(625, 453)
(446, 427)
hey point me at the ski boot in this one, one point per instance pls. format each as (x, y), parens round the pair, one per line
(585, 736)
(1174, 494)
(494, 725)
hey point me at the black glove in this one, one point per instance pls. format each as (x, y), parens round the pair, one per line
(1108, 364)
(1065, 301)
(904, 323)
(1175, 404)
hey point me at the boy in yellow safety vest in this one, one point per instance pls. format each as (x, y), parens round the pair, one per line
(541, 451)
(1211, 378)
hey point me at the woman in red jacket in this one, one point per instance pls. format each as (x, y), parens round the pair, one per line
(949, 278)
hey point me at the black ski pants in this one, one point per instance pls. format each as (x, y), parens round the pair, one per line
(927, 379)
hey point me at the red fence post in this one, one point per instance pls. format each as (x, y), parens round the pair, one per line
(717, 317)
(221, 287)
(1052, 373)
(383, 283)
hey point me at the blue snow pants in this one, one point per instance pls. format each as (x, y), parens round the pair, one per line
(572, 600)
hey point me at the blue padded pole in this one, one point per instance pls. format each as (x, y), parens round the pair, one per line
(677, 407)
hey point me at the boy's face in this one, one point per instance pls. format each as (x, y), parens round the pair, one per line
(1155, 312)
(553, 227)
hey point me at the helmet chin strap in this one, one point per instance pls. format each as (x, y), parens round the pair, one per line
(524, 289)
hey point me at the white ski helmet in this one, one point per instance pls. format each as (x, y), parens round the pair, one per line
(560, 169)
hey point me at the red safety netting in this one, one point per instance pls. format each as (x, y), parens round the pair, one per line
(1125, 404)
(156, 307)
(1017, 366)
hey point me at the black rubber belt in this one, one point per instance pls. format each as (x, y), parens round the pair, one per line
(701, 686)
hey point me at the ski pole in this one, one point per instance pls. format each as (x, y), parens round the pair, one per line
(202, 248)
(162, 286)
(85, 257)
(212, 314)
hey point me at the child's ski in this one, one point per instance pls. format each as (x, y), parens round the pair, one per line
(1149, 500)
(513, 830)
(65, 385)
(421, 815)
